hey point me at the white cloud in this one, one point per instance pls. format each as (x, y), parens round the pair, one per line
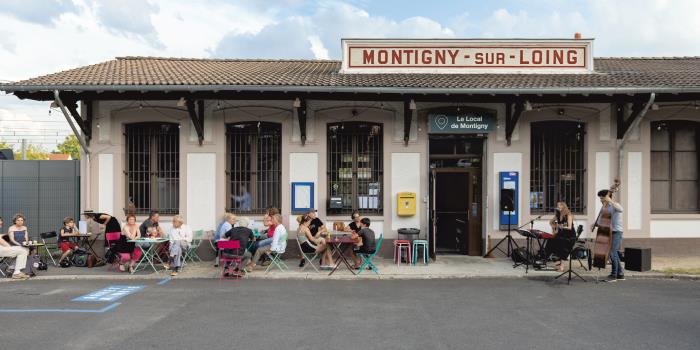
(621, 28)
(36, 11)
(332, 20)
(320, 51)
(128, 17)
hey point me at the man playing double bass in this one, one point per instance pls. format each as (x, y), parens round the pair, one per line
(615, 210)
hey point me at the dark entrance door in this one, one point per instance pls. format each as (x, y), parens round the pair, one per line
(455, 194)
(451, 210)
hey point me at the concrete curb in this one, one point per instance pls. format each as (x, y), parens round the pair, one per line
(323, 277)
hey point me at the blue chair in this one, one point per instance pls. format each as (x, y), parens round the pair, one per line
(367, 258)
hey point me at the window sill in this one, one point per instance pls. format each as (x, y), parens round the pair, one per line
(675, 216)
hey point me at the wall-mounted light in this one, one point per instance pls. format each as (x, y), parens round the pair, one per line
(181, 102)
(412, 105)
(297, 103)
(528, 106)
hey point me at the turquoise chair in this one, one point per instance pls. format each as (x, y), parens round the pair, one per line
(420, 245)
(276, 257)
(367, 258)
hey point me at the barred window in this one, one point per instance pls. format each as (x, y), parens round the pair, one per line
(253, 166)
(557, 166)
(675, 164)
(153, 167)
(355, 168)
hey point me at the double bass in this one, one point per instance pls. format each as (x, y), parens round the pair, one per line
(603, 238)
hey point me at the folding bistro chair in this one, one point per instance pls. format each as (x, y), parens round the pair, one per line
(5, 264)
(50, 241)
(190, 254)
(228, 258)
(276, 257)
(367, 258)
(310, 257)
(112, 237)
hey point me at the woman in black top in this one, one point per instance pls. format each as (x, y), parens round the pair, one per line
(112, 225)
(355, 224)
(563, 229)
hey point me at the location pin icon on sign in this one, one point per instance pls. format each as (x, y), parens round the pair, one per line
(441, 121)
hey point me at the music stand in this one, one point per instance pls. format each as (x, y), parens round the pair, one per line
(508, 237)
(570, 271)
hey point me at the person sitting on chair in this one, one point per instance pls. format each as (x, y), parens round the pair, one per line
(20, 253)
(180, 236)
(242, 234)
(366, 242)
(66, 243)
(276, 245)
(314, 242)
(563, 230)
(355, 223)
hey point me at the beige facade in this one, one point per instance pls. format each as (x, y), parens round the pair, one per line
(202, 186)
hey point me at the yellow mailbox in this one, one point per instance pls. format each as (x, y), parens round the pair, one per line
(406, 203)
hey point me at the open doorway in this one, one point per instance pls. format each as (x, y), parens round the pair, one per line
(455, 194)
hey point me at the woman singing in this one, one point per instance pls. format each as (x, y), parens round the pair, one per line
(563, 230)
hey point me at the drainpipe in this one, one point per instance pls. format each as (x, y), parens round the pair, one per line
(635, 123)
(80, 137)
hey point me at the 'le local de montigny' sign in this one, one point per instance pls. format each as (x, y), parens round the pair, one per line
(467, 56)
(468, 122)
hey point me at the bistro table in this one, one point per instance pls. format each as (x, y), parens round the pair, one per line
(336, 243)
(87, 241)
(150, 254)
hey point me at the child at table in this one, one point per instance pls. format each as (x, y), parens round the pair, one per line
(66, 242)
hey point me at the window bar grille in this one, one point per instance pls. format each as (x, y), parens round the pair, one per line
(153, 167)
(557, 166)
(254, 163)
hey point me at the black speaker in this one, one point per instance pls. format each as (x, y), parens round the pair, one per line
(507, 199)
(638, 259)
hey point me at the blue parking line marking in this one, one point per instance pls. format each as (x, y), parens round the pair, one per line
(86, 311)
(164, 281)
(110, 293)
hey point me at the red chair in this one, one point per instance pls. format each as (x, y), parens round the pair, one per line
(112, 238)
(227, 260)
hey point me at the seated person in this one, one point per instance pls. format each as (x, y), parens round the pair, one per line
(66, 242)
(366, 244)
(242, 234)
(564, 235)
(19, 253)
(18, 232)
(355, 224)
(226, 224)
(314, 242)
(180, 236)
(277, 245)
(150, 228)
(121, 247)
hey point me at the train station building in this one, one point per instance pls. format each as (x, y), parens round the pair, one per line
(411, 133)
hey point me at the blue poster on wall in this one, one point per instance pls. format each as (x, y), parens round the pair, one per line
(508, 190)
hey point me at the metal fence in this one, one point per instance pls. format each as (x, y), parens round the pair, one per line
(44, 191)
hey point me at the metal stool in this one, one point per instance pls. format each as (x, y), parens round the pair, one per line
(399, 246)
(420, 245)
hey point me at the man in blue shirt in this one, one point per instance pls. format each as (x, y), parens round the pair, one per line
(224, 226)
(615, 210)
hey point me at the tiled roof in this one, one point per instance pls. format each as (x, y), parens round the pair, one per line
(681, 73)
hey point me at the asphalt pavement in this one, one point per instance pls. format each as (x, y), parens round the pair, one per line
(513, 313)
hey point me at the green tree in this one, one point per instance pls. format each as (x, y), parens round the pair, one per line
(35, 152)
(70, 146)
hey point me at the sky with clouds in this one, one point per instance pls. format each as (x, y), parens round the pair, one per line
(45, 36)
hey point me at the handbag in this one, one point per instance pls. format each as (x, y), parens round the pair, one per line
(80, 257)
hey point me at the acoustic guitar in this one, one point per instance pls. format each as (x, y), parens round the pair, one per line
(603, 238)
